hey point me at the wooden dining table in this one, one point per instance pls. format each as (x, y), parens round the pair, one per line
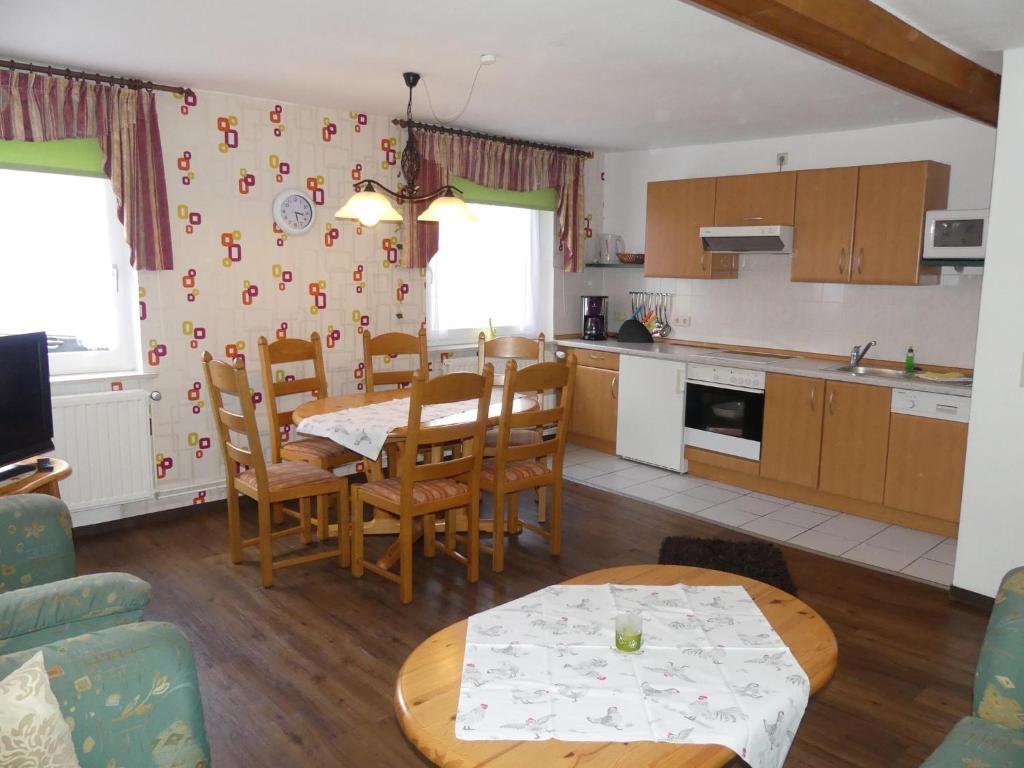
(381, 523)
(427, 690)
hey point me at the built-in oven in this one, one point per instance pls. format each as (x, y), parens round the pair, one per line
(725, 410)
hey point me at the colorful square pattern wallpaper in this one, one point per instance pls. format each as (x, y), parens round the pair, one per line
(237, 276)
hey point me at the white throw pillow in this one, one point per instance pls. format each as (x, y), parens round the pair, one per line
(32, 728)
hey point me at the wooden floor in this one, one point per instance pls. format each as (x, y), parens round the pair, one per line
(302, 674)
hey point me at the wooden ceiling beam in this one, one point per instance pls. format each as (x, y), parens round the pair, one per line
(861, 36)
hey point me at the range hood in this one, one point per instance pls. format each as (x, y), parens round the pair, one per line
(776, 238)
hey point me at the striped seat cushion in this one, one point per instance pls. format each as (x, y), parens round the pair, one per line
(423, 492)
(318, 450)
(515, 437)
(514, 471)
(288, 474)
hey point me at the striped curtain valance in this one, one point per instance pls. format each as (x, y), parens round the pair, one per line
(498, 164)
(36, 107)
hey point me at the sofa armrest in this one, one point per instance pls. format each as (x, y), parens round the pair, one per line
(35, 541)
(130, 695)
(39, 615)
(999, 679)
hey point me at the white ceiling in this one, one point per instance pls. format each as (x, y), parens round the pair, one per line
(605, 74)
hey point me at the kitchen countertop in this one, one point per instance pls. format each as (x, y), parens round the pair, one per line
(796, 366)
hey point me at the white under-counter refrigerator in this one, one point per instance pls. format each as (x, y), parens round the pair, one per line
(652, 400)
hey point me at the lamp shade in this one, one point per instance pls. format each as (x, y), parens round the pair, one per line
(448, 208)
(368, 207)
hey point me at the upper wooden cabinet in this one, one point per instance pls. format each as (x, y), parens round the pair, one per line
(925, 471)
(791, 440)
(676, 210)
(756, 198)
(826, 209)
(888, 237)
(855, 440)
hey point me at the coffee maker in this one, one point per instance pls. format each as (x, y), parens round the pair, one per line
(595, 311)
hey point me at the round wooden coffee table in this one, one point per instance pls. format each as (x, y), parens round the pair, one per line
(427, 691)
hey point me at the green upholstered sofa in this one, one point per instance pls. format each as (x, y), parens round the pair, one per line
(41, 599)
(994, 736)
(130, 695)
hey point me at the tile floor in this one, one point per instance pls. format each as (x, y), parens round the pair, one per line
(920, 555)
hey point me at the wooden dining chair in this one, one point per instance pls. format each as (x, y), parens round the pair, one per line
(392, 345)
(537, 465)
(319, 451)
(421, 491)
(248, 473)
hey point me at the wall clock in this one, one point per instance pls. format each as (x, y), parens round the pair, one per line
(294, 211)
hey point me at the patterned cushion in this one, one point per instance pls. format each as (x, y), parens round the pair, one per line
(288, 474)
(423, 492)
(35, 541)
(32, 730)
(999, 681)
(977, 743)
(318, 450)
(514, 471)
(515, 437)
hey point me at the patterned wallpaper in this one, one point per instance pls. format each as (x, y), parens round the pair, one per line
(237, 276)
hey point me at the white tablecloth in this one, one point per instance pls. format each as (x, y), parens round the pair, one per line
(711, 670)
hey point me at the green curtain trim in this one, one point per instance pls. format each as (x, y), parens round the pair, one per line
(79, 157)
(541, 199)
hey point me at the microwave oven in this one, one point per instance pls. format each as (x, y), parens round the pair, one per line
(955, 237)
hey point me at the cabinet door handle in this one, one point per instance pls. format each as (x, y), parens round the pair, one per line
(753, 218)
(831, 401)
(812, 398)
(860, 261)
(736, 261)
(842, 260)
(702, 263)
(615, 387)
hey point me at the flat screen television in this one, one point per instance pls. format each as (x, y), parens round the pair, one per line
(26, 415)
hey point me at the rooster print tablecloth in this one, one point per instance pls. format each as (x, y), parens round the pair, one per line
(711, 670)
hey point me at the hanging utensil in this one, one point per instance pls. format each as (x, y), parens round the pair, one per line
(666, 309)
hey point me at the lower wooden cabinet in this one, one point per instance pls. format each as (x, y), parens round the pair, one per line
(791, 443)
(925, 470)
(594, 419)
(855, 441)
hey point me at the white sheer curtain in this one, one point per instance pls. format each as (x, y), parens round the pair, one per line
(497, 272)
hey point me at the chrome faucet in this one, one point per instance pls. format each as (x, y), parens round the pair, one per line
(857, 353)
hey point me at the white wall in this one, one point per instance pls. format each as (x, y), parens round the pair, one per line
(762, 307)
(992, 516)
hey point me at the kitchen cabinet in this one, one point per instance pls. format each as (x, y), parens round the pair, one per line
(756, 198)
(594, 415)
(676, 210)
(791, 440)
(925, 469)
(889, 230)
(826, 209)
(855, 441)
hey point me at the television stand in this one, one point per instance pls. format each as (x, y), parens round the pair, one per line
(13, 470)
(31, 480)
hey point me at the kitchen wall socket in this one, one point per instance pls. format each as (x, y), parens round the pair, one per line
(683, 321)
(781, 159)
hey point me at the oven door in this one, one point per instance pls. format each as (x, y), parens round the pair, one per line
(725, 419)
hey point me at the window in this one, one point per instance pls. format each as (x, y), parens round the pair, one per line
(497, 272)
(66, 270)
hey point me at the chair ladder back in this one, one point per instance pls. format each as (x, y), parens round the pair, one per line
(280, 352)
(508, 348)
(538, 380)
(391, 345)
(231, 379)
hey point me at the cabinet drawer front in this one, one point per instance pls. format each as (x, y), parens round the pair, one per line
(594, 359)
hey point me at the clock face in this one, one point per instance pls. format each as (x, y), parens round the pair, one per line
(293, 212)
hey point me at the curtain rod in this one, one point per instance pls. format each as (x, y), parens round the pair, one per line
(492, 137)
(73, 74)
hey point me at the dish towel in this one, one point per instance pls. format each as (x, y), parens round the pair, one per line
(711, 670)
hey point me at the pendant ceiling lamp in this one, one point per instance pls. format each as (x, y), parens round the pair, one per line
(370, 205)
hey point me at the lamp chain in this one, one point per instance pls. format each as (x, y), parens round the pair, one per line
(410, 154)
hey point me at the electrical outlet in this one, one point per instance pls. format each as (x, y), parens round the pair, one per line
(782, 159)
(683, 321)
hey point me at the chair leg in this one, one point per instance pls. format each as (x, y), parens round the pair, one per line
(357, 532)
(498, 531)
(307, 534)
(266, 555)
(555, 527)
(473, 539)
(449, 530)
(429, 532)
(278, 515)
(234, 529)
(323, 521)
(542, 502)
(405, 558)
(344, 524)
(513, 512)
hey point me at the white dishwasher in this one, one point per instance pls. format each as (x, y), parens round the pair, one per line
(652, 398)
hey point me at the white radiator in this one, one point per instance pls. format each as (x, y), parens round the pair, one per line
(105, 437)
(465, 364)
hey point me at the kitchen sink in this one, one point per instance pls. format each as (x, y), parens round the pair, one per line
(870, 370)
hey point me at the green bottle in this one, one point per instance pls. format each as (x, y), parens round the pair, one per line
(908, 364)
